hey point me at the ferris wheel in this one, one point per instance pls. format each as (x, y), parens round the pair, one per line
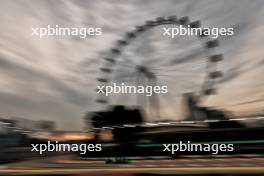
(187, 65)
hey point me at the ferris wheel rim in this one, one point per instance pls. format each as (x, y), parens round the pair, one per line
(207, 87)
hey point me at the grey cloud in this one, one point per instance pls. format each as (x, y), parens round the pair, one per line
(31, 76)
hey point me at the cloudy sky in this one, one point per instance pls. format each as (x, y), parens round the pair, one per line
(54, 78)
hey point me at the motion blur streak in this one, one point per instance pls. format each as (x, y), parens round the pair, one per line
(49, 78)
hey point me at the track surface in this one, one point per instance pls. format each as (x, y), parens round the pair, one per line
(243, 164)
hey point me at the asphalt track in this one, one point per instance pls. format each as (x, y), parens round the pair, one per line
(185, 165)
